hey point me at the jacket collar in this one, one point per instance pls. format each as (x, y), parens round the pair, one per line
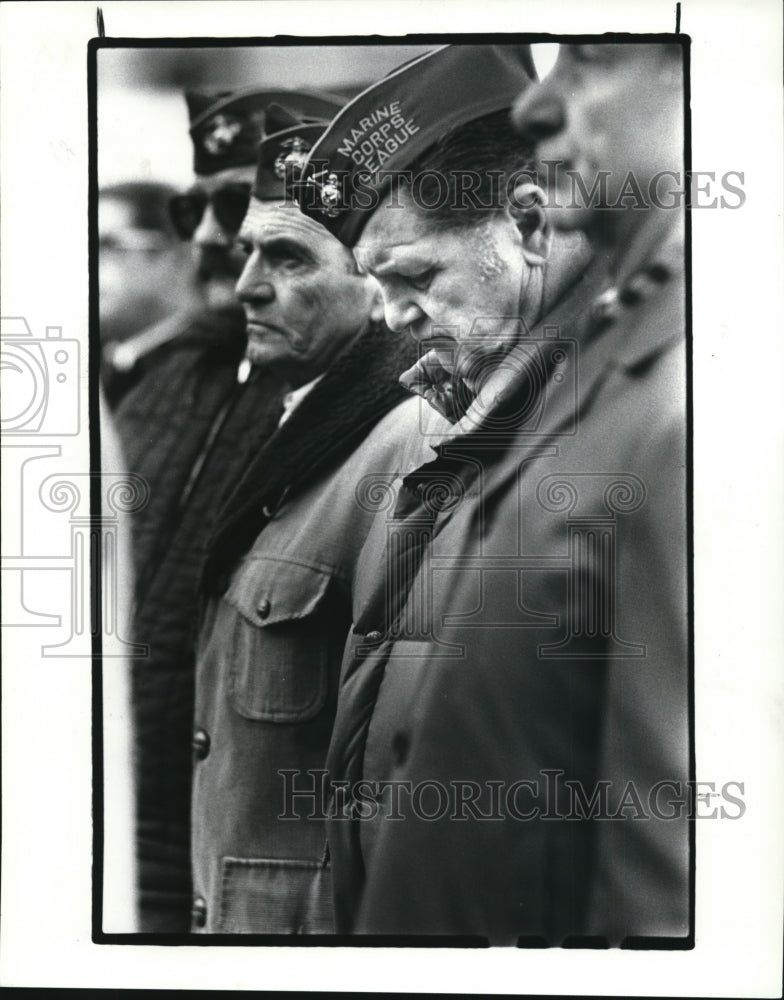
(358, 389)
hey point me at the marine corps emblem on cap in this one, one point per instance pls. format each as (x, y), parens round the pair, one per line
(293, 156)
(330, 196)
(226, 127)
(221, 134)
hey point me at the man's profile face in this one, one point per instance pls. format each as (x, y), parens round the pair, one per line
(304, 300)
(606, 107)
(210, 214)
(434, 277)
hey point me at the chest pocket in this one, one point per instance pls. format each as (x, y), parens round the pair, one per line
(281, 642)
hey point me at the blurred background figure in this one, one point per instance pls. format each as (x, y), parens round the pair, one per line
(145, 273)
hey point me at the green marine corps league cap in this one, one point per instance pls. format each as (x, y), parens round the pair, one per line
(385, 128)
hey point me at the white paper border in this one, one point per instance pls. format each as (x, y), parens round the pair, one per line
(739, 495)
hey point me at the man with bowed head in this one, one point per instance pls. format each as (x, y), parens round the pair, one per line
(465, 673)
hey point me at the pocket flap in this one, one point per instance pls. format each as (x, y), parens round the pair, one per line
(269, 591)
(275, 896)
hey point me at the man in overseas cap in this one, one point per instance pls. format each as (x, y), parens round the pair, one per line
(466, 681)
(281, 562)
(383, 130)
(198, 414)
(225, 129)
(611, 117)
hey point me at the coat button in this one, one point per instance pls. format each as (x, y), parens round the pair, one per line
(264, 608)
(201, 743)
(199, 912)
(374, 637)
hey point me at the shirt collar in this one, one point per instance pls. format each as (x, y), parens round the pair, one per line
(292, 399)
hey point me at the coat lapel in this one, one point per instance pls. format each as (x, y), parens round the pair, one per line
(354, 394)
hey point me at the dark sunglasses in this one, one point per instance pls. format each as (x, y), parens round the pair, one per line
(229, 203)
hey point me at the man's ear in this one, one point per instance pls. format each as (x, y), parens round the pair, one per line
(526, 210)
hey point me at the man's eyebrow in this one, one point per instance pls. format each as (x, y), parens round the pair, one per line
(284, 246)
(412, 262)
(389, 259)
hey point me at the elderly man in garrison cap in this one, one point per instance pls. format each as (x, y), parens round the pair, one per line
(190, 427)
(471, 692)
(610, 120)
(282, 561)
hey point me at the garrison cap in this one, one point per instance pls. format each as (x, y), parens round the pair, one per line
(225, 127)
(289, 135)
(394, 121)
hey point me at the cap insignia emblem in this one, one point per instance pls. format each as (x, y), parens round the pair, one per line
(330, 196)
(293, 155)
(221, 134)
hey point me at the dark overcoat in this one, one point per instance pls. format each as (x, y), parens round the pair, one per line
(520, 642)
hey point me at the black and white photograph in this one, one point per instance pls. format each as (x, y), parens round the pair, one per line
(371, 503)
(409, 431)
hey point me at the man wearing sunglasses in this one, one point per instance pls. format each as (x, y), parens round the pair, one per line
(225, 130)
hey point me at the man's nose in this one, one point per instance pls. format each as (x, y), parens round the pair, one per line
(538, 114)
(400, 312)
(209, 231)
(253, 284)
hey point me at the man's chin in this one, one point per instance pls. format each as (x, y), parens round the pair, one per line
(258, 354)
(266, 353)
